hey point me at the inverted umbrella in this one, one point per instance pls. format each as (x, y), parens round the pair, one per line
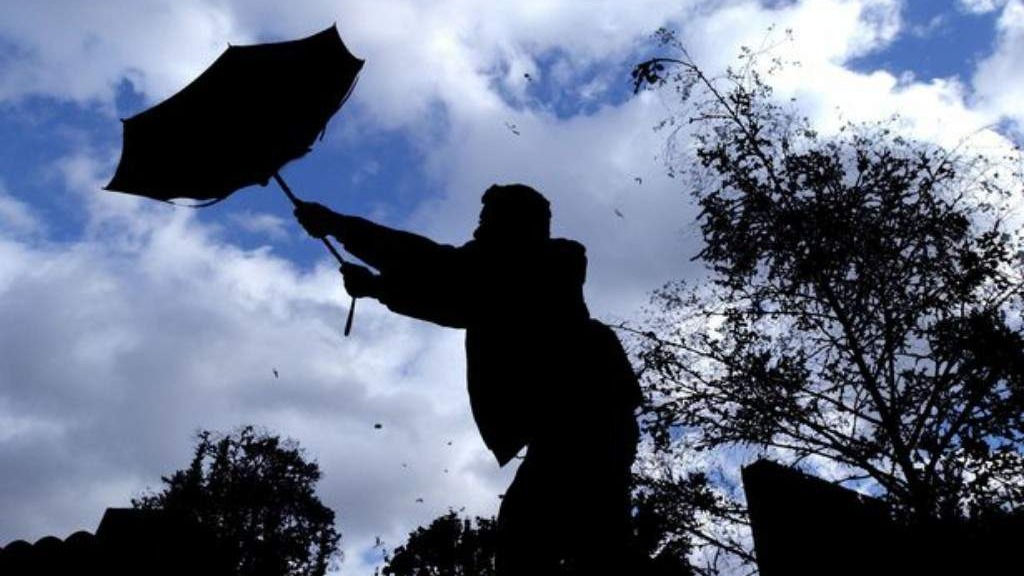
(255, 109)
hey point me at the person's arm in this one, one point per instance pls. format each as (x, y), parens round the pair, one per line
(381, 247)
(418, 277)
(432, 292)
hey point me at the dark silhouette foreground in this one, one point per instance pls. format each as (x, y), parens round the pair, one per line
(804, 525)
(127, 542)
(541, 373)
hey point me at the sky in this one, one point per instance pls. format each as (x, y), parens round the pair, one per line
(126, 325)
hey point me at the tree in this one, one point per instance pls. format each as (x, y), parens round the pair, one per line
(665, 521)
(255, 492)
(449, 546)
(456, 546)
(864, 304)
(689, 521)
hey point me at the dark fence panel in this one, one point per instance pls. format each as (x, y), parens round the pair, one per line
(127, 542)
(804, 525)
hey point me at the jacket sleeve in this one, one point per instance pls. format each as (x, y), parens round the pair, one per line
(431, 288)
(385, 248)
(418, 277)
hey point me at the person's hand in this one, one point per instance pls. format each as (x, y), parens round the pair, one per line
(317, 219)
(360, 282)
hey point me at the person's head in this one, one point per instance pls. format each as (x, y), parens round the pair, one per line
(513, 212)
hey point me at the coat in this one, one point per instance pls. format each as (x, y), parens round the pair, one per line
(539, 369)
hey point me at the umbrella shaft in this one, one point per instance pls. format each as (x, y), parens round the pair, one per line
(287, 189)
(337, 256)
(295, 200)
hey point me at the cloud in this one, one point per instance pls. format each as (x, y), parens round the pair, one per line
(936, 24)
(981, 6)
(83, 52)
(269, 225)
(16, 217)
(421, 51)
(826, 36)
(999, 79)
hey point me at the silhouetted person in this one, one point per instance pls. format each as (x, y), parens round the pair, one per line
(541, 373)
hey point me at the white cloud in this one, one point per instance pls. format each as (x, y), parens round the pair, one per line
(981, 6)
(936, 24)
(826, 35)
(999, 80)
(17, 217)
(420, 51)
(82, 51)
(825, 32)
(269, 225)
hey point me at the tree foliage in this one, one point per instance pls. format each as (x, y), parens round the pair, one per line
(449, 546)
(456, 546)
(667, 517)
(256, 493)
(864, 305)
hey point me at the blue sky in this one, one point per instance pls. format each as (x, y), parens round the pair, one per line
(940, 41)
(129, 324)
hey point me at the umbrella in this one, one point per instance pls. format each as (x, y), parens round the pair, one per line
(255, 109)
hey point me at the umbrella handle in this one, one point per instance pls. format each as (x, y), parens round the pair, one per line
(334, 251)
(351, 314)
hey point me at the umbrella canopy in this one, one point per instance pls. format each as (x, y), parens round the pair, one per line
(252, 111)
